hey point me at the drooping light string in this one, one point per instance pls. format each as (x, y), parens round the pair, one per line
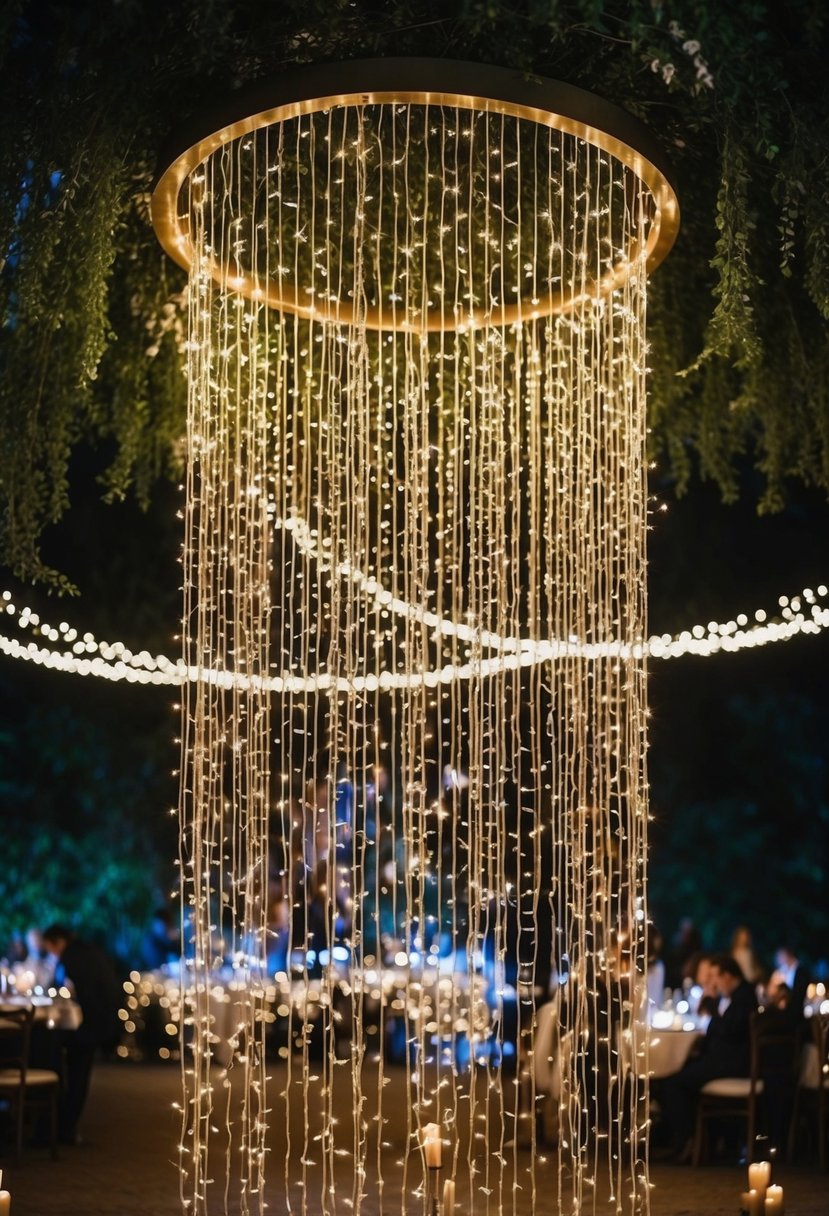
(416, 329)
(224, 802)
(800, 615)
(471, 488)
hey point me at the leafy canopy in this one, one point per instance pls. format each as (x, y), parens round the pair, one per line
(91, 308)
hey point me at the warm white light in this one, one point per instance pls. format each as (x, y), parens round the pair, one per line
(414, 542)
(721, 639)
(399, 524)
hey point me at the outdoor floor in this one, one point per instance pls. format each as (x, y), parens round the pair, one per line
(126, 1165)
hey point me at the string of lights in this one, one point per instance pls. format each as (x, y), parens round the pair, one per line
(798, 615)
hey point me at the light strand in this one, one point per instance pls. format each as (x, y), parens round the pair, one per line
(114, 661)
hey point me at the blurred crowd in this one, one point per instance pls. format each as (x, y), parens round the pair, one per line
(781, 981)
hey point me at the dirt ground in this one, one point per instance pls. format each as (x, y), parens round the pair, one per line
(126, 1166)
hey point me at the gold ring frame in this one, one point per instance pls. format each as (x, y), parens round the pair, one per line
(424, 82)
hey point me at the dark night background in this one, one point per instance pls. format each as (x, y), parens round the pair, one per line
(738, 759)
(739, 742)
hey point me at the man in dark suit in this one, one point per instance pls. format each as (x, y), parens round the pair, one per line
(98, 991)
(724, 1052)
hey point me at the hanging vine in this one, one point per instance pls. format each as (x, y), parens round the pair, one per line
(89, 346)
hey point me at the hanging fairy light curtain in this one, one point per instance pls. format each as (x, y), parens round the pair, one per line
(416, 439)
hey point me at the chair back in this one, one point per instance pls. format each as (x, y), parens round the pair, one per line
(775, 1048)
(15, 1035)
(820, 1037)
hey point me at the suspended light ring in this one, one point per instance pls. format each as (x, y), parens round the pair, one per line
(451, 480)
(422, 82)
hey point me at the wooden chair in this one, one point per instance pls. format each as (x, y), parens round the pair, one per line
(20, 1085)
(774, 1050)
(812, 1094)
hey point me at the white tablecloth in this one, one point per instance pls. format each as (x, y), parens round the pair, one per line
(660, 1052)
(547, 1049)
(447, 1004)
(60, 1013)
(665, 1051)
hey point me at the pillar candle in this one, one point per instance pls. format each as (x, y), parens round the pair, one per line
(774, 1200)
(432, 1147)
(759, 1175)
(752, 1203)
(6, 1199)
(448, 1198)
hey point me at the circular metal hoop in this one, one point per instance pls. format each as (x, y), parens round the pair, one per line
(426, 82)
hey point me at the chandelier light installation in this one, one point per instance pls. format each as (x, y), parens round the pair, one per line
(415, 437)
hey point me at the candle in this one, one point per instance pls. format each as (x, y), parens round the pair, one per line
(448, 1197)
(6, 1199)
(774, 1200)
(432, 1147)
(759, 1176)
(752, 1203)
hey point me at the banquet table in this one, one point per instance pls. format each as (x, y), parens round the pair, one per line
(441, 1005)
(547, 1048)
(664, 1051)
(655, 1051)
(50, 1012)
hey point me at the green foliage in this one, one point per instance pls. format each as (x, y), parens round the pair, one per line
(732, 332)
(81, 842)
(736, 92)
(761, 826)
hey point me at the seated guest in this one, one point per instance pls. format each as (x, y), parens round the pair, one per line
(778, 996)
(783, 1021)
(778, 1000)
(28, 960)
(789, 971)
(656, 970)
(704, 990)
(162, 941)
(99, 993)
(724, 1052)
(742, 949)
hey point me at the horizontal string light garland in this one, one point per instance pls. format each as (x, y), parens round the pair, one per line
(800, 615)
